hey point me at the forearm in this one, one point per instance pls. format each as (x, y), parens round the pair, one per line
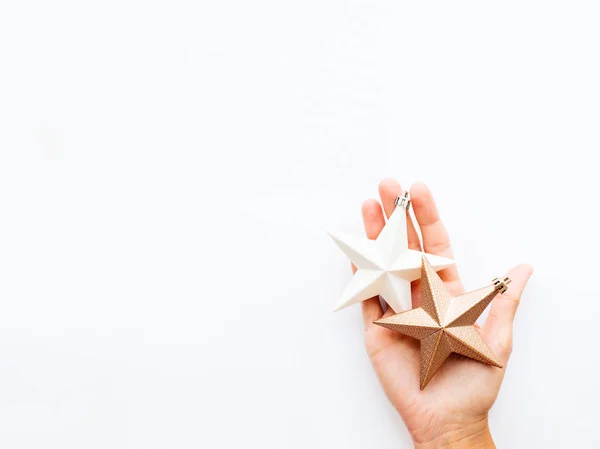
(477, 436)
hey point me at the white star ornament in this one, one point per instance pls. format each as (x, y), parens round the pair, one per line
(385, 266)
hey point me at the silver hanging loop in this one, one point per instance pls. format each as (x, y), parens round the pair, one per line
(403, 201)
(501, 285)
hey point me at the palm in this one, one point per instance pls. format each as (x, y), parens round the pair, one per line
(463, 390)
(459, 386)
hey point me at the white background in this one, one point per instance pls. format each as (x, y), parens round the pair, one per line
(168, 169)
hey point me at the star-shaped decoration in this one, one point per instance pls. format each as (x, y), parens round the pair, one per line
(385, 266)
(445, 324)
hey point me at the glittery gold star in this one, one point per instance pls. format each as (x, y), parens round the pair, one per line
(445, 324)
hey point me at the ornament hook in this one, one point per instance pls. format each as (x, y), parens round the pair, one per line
(501, 285)
(403, 201)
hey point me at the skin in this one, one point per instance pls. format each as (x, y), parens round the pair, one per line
(452, 411)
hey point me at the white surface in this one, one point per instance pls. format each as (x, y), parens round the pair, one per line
(167, 170)
(385, 266)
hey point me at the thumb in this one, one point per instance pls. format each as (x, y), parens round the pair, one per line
(499, 324)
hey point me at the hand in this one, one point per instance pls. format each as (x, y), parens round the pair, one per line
(452, 411)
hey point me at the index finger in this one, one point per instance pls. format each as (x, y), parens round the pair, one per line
(435, 237)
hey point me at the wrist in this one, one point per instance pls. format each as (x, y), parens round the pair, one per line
(474, 436)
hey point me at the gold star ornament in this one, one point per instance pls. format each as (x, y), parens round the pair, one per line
(445, 324)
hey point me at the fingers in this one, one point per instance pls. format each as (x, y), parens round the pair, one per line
(374, 222)
(499, 324)
(372, 218)
(435, 237)
(389, 190)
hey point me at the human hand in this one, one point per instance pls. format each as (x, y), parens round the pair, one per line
(452, 412)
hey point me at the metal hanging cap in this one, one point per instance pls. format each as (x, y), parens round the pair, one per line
(501, 285)
(403, 201)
